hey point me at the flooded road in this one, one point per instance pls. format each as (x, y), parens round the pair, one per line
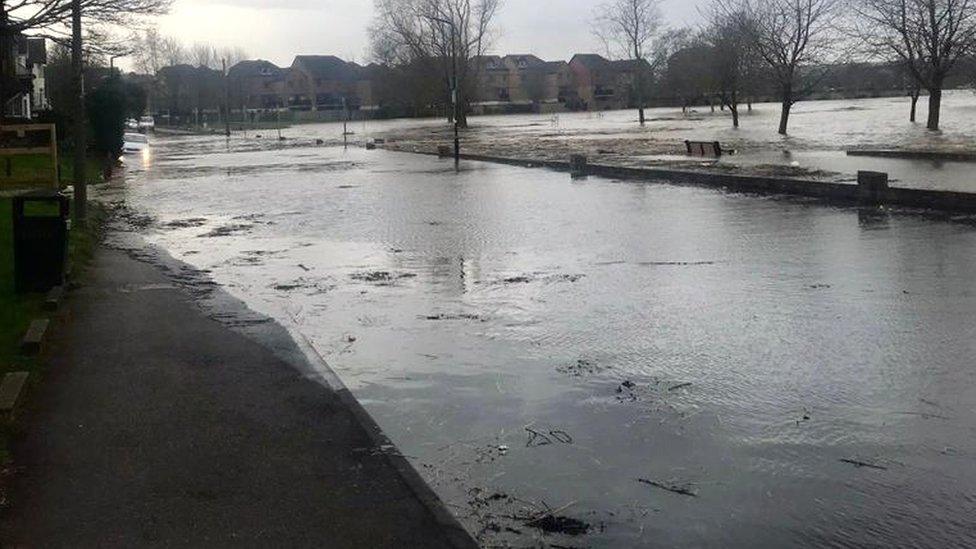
(651, 364)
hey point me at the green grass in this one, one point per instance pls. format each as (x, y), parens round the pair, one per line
(24, 169)
(18, 310)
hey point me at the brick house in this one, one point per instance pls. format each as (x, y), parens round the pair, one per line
(257, 84)
(492, 83)
(522, 80)
(597, 82)
(325, 82)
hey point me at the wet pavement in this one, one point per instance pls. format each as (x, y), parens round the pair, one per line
(598, 363)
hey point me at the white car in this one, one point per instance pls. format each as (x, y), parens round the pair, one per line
(147, 123)
(132, 124)
(135, 143)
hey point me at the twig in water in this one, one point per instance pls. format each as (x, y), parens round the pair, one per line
(561, 436)
(536, 438)
(680, 386)
(683, 490)
(924, 415)
(859, 463)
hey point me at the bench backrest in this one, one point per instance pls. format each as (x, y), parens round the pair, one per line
(704, 148)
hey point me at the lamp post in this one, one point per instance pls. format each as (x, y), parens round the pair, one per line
(78, 97)
(454, 87)
(111, 61)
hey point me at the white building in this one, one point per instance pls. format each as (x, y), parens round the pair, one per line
(30, 61)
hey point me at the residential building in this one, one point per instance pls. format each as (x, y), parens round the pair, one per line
(523, 80)
(190, 94)
(325, 82)
(29, 57)
(492, 86)
(257, 84)
(596, 82)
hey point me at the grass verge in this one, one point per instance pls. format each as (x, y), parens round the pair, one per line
(18, 310)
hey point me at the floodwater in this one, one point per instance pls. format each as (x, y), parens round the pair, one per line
(671, 366)
(820, 134)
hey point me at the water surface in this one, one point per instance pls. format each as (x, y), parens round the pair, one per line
(533, 342)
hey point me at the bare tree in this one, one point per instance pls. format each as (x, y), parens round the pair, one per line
(204, 55)
(148, 48)
(231, 55)
(930, 37)
(629, 27)
(789, 36)
(734, 73)
(451, 32)
(172, 52)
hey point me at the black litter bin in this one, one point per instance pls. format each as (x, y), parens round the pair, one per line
(40, 242)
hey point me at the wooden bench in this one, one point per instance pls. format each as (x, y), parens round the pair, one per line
(710, 149)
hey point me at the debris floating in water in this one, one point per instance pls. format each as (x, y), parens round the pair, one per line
(858, 463)
(684, 490)
(537, 438)
(581, 367)
(553, 524)
(380, 276)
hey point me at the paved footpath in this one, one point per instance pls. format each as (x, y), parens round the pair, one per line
(157, 426)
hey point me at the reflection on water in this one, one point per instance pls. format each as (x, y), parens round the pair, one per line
(672, 366)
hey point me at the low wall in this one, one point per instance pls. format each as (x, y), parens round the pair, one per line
(916, 155)
(830, 192)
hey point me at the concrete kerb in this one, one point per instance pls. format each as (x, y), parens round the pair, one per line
(848, 194)
(34, 338)
(12, 390)
(455, 532)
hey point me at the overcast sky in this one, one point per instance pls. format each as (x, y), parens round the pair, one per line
(278, 30)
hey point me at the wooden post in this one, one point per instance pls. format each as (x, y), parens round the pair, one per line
(223, 64)
(872, 186)
(578, 165)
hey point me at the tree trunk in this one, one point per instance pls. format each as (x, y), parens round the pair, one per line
(640, 98)
(784, 118)
(915, 94)
(734, 109)
(935, 106)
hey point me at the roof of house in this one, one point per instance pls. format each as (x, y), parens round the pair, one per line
(328, 67)
(34, 48)
(590, 60)
(525, 60)
(628, 64)
(488, 61)
(255, 67)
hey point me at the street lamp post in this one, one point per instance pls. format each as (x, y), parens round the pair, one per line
(454, 87)
(111, 62)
